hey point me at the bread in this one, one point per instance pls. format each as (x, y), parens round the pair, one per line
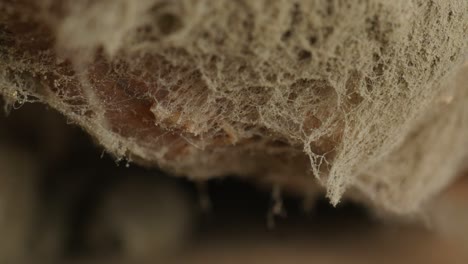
(338, 94)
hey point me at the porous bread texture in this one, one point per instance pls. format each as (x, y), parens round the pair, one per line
(345, 92)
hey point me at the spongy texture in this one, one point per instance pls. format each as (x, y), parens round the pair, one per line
(345, 92)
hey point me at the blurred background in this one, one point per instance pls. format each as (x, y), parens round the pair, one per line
(64, 200)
